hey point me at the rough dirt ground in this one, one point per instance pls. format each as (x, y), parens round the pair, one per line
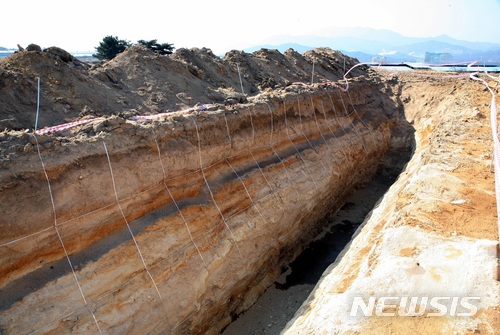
(450, 117)
(452, 121)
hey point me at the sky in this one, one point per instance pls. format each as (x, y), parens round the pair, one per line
(223, 25)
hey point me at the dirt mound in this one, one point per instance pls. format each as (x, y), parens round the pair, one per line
(139, 81)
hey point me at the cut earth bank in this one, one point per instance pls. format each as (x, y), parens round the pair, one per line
(434, 234)
(176, 225)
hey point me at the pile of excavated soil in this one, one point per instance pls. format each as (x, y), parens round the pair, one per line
(139, 81)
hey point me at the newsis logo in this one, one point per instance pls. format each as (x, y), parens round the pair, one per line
(414, 306)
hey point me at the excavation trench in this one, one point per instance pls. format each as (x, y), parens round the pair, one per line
(192, 216)
(176, 223)
(280, 302)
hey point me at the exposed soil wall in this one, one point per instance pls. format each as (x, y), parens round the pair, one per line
(189, 220)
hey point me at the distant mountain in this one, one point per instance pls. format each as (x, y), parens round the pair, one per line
(366, 44)
(481, 46)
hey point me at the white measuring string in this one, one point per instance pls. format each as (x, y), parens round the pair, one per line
(267, 181)
(496, 143)
(37, 104)
(210, 191)
(228, 132)
(60, 238)
(177, 253)
(337, 119)
(26, 236)
(332, 132)
(239, 75)
(346, 89)
(290, 179)
(317, 123)
(255, 160)
(357, 114)
(246, 190)
(126, 222)
(236, 173)
(308, 174)
(307, 139)
(272, 124)
(67, 315)
(237, 278)
(352, 123)
(301, 125)
(175, 202)
(251, 123)
(492, 77)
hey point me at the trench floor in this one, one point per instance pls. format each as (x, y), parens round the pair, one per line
(277, 306)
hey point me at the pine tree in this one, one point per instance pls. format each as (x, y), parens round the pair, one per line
(109, 47)
(162, 49)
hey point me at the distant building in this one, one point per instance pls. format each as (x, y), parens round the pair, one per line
(379, 59)
(437, 58)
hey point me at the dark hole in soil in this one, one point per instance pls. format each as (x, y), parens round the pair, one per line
(313, 261)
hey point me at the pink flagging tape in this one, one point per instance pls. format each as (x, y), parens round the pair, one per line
(160, 115)
(331, 83)
(66, 126)
(496, 155)
(441, 76)
(492, 77)
(151, 117)
(62, 127)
